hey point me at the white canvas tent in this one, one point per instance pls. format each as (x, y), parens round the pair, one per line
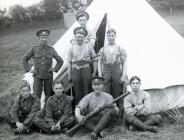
(155, 49)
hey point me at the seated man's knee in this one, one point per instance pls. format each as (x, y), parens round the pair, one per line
(157, 119)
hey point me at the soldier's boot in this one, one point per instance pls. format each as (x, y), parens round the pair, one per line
(103, 122)
(154, 120)
(23, 131)
(141, 126)
(42, 125)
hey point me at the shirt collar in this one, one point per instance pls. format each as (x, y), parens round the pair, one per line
(43, 46)
(26, 99)
(59, 97)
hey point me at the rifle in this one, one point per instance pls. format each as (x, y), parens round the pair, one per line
(90, 115)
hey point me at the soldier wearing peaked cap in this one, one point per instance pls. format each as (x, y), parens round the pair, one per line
(82, 17)
(42, 55)
(43, 32)
(93, 101)
(80, 56)
(80, 30)
(81, 14)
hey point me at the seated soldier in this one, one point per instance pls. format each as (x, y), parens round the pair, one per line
(58, 112)
(137, 107)
(24, 110)
(92, 102)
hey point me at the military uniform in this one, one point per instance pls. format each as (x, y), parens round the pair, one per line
(79, 58)
(138, 112)
(43, 74)
(25, 111)
(58, 108)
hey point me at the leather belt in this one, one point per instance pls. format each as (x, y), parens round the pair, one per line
(80, 66)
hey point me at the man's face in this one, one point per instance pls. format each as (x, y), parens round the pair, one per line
(97, 87)
(43, 39)
(58, 89)
(82, 21)
(25, 92)
(135, 85)
(111, 37)
(79, 38)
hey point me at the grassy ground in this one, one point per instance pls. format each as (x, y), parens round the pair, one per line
(14, 43)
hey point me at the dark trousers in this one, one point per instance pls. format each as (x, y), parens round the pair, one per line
(45, 84)
(98, 123)
(43, 125)
(112, 74)
(81, 79)
(150, 120)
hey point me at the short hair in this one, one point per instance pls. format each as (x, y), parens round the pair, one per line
(135, 78)
(58, 82)
(111, 30)
(25, 83)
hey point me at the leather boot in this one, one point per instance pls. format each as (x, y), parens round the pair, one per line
(103, 122)
(141, 126)
(42, 125)
(154, 120)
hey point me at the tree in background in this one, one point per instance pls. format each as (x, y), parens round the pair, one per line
(17, 13)
(36, 12)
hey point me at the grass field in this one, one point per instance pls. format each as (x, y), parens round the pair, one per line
(14, 43)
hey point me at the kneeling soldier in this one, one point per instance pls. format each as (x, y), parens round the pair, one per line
(92, 102)
(138, 108)
(24, 110)
(58, 116)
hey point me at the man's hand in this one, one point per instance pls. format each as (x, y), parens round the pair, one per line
(20, 126)
(51, 70)
(81, 118)
(124, 79)
(58, 126)
(53, 128)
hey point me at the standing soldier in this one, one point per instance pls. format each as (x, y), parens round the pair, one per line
(58, 116)
(42, 55)
(79, 57)
(24, 110)
(92, 102)
(82, 17)
(112, 65)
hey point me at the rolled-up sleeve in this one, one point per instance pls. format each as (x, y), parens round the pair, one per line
(83, 104)
(93, 54)
(123, 55)
(128, 107)
(147, 104)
